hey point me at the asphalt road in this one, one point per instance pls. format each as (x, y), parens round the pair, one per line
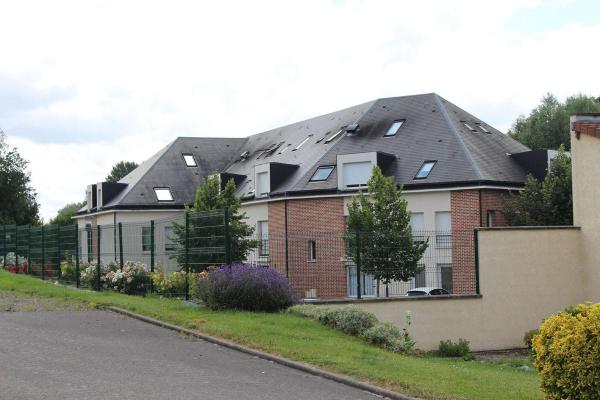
(82, 355)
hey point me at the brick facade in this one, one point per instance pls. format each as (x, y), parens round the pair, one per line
(469, 210)
(318, 220)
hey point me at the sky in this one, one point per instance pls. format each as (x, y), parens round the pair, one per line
(85, 84)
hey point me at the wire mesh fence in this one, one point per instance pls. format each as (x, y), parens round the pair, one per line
(168, 257)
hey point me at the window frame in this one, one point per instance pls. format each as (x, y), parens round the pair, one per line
(397, 121)
(312, 250)
(184, 155)
(169, 242)
(146, 233)
(156, 189)
(312, 178)
(259, 175)
(443, 238)
(263, 243)
(421, 168)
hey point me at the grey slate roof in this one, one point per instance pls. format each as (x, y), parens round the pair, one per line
(433, 130)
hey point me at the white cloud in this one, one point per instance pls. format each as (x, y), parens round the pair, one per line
(129, 76)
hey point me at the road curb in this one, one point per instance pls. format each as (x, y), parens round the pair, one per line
(270, 357)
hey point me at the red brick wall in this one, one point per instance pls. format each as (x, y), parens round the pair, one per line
(321, 220)
(465, 216)
(493, 200)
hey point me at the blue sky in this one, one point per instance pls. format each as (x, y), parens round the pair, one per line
(86, 84)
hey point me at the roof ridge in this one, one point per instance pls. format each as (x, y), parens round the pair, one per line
(457, 135)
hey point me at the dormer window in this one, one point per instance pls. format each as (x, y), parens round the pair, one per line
(262, 184)
(394, 128)
(163, 194)
(190, 161)
(322, 173)
(425, 169)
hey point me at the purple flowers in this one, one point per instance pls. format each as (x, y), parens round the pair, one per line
(245, 287)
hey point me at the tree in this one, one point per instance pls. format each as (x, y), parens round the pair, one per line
(382, 224)
(547, 126)
(65, 214)
(120, 170)
(206, 230)
(547, 203)
(18, 200)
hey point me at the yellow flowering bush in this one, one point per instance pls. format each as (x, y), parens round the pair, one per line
(172, 284)
(567, 354)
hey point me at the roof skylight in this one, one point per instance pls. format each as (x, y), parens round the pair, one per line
(425, 169)
(483, 128)
(163, 194)
(322, 173)
(338, 133)
(190, 161)
(394, 128)
(469, 127)
(302, 143)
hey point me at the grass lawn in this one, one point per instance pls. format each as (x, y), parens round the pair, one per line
(307, 341)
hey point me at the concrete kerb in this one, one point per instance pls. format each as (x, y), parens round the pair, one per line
(269, 357)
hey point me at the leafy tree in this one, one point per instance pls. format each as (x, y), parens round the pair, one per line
(65, 214)
(120, 170)
(547, 203)
(18, 200)
(387, 249)
(547, 126)
(206, 230)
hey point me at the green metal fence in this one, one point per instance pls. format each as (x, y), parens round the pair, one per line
(82, 255)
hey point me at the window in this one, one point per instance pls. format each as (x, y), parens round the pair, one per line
(99, 198)
(446, 275)
(420, 278)
(146, 238)
(483, 128)
(443, 230)
(312, 250)
(425, 169)
(417, 225)
(335, 135)
(469, 127)
(490, 218)
(190, 161)
(163, 194)
(322, 173)
(262, 228)
(262, 184)
(169, 245)
(394, 128)
(302, 143)
(357, 174)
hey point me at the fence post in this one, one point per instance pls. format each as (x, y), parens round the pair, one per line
(29, 248)
(4, 246)
(17, 249)
(358, 283)
(121, 245)
(187, 255)
(43, 254)
(76, 255)
(151, 253)
(98, 285)
(227, 236)
(58, 244)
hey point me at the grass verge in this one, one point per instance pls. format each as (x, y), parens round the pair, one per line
(307, 341)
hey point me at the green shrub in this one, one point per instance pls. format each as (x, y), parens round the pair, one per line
(449, 348)
(350, 320)
(567, 353)
(528, 338)
(68, 272)
(132, 278)
(172, 284)
(306, 311)
(89, 276)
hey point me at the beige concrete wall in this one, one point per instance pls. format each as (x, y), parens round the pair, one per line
(525, 275)
(586, 208)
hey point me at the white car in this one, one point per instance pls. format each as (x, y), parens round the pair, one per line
(427, 291)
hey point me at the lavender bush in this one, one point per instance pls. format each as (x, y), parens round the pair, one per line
(245, 287)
